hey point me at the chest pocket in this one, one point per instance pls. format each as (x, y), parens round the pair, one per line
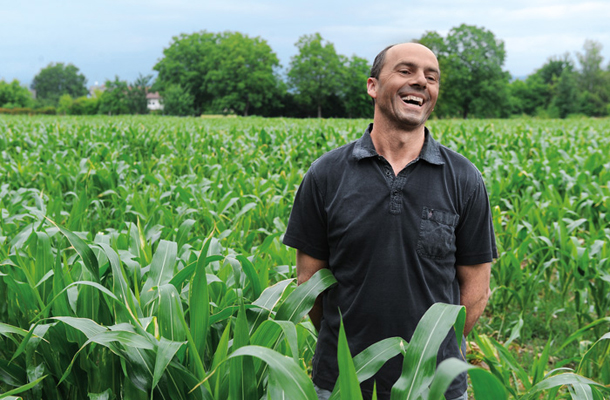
(437, 233)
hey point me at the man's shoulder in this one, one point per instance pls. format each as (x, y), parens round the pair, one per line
(334, 158)
(458, 162)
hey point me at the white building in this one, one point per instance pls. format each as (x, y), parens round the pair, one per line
(153, 101)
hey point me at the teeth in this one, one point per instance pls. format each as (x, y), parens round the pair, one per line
(413, 98)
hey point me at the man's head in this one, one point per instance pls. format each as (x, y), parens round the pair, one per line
(404, 84)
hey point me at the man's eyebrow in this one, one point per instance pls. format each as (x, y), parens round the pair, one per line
(415, 65)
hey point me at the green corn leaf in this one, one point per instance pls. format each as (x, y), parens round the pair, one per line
(348, 380)
(166, 350)
(302, 299)
(183, 232)
(170, 314)
(420, 356)
(120, 285)
(163, 263)
(12, 374)
(220, 356)
(266, 301)
(368, 362)
(79, 283)
(185, 273)
(242, 378)
(561, 380)
(268, 334)
(484, 384)
(250, 272)
(23, 388)
(6, 329)
(291, 378)
(199, 302)
(87, 255)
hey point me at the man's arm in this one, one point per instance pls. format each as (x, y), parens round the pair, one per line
(306, 267)
(474, 291)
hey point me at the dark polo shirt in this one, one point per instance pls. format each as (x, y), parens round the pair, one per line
(392, 243)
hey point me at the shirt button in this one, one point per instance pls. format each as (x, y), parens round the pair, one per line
(395, 193)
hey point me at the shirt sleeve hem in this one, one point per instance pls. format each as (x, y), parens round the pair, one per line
(306, 248)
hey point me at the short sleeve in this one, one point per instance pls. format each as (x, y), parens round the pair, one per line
(307, 225)
(475, 238)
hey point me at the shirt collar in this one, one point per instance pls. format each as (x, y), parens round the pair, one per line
(430, 152)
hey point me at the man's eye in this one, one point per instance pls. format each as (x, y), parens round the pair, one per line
(432, 78)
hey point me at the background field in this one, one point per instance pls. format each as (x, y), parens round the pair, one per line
(152, 192)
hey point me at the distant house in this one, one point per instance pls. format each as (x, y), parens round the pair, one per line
(153, 101)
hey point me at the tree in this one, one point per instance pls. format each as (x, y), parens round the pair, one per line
(353, 89)
(472, 79)
(136, 95)
(115, 100)
(315, 72)
(595, 82)
(14, 95)
(222, 72)
(177, 101)
(56, 80)
(244, 77)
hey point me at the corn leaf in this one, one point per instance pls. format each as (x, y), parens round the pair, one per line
(348, 380)
(166, 350)
(484, 384)
(420, 356)
(293, 381)
(302, 299)
(87, 255)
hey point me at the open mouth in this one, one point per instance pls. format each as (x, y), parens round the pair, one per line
(410, 99)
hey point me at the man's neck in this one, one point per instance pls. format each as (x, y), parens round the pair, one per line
(398, 146)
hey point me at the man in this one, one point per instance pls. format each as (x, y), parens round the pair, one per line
(401, 221)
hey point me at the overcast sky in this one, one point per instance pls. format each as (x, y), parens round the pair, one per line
(125, 38)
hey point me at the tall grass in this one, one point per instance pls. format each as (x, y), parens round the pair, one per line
(141, 258)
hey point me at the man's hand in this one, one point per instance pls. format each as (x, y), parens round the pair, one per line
(306, 267)
(474, 291)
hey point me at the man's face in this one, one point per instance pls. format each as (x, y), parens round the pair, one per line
(407, 88)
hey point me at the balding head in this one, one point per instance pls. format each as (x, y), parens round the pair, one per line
(379, 61)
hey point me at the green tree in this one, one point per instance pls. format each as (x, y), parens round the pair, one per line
(14, 95)
(244, 77)
(115, 99)
(566, 93)
(136, 95)
(177, 101)
(472, 79)
(315, 72)
(64, 104)
(353, 89)
(56, 80)
(594, 81)
(222, 72)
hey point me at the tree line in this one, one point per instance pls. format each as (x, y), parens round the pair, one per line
(232, 73)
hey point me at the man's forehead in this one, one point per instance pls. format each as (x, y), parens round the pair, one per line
(412, 53)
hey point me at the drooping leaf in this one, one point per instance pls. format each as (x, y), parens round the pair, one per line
(291, 378)
(303, 298)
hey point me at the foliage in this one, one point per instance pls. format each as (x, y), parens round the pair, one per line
(139, 258)
(225, 72)
(353, 89)
(315, 72)
(56, 80)
(472, 80)
(177, 101)
(13, 95)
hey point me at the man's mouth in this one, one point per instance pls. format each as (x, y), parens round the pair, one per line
(410, 99)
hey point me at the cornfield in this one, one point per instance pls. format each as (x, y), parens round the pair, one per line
(141, 258)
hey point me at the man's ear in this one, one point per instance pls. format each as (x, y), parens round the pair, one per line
(371, 87)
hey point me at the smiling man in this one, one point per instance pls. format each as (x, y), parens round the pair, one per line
(401, 221)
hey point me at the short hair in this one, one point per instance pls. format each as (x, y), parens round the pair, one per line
(379, 61)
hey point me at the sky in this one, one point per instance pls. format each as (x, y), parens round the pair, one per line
(126, 38)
